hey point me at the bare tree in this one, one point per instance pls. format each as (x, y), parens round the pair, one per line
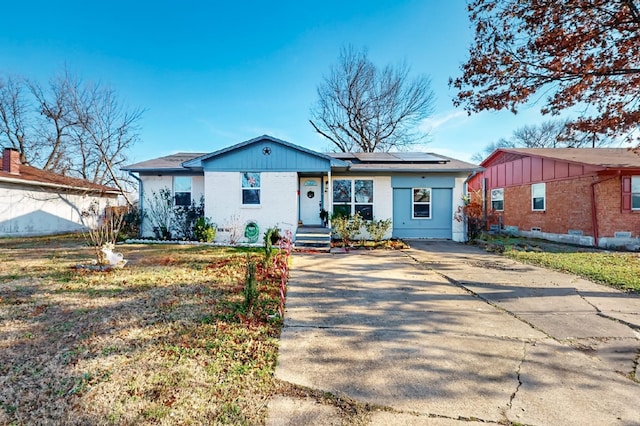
(362, 108)
(53, 142)
(549, 134)
(69, 127)
(14, 125)
(104, 131)
(478, 157)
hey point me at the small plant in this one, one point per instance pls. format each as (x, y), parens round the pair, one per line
(271, 237)
(472, 214)
(250, 290)
(346, 227)
(204, 230)
(233, 225)
(377, 228)
(324, 217)
(281, 263)
(103, 226)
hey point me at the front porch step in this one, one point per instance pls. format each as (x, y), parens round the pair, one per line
(313, 238)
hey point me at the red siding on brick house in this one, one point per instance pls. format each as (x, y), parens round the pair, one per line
(575, 179)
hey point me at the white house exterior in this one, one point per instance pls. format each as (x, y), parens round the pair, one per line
(272, 183)
(35, 202)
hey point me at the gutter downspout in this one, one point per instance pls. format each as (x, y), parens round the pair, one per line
(466, 181)
(140, 200)
(329, 198)
(594, 212)
(465, 186)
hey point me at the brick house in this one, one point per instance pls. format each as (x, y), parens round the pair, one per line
(586, 196)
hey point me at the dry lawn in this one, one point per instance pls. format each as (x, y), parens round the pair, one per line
(166, 340)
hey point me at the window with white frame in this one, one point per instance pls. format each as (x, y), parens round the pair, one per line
(421, 200)
(635, 192)
(538, 196)
(353, 195)
(250, 188)
(497, 199)
(182, 190)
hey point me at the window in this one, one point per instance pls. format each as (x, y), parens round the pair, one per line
(538, 196)
(635, 192)
(364, 198)
(182, 190)
(250, 188)
(351, 196)
(497, 199)
(421, 203)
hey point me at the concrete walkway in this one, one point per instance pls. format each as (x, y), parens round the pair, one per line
(446, 334)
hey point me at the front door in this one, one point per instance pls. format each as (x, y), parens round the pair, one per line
(310, 200)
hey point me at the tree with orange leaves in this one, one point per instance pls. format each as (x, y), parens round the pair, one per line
(582, 56)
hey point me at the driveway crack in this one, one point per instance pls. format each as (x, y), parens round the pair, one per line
(588, 302)
(633, 375)
(489, 302)
(522, 360)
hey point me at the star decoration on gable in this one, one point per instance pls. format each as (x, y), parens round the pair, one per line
(266, 150)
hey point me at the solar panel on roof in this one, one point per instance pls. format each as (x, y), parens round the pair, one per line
(375, 156)
(419, 156)
(389, 157)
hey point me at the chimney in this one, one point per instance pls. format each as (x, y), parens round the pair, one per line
(11, 161)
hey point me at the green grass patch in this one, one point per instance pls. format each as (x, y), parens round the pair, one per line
(620, 270)
(614, 268)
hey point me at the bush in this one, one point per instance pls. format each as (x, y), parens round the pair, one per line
(346, 227)
(131, 224)
(159, 211)
(271, 237)
(377, 228)
(103, 226)
(184, 219)
(474, 216)
(204, 230)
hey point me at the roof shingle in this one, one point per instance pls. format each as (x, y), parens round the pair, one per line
(603, 157)
(34, 176)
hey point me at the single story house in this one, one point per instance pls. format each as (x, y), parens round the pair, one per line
(585, 196)
(37, 202)
(269, 182)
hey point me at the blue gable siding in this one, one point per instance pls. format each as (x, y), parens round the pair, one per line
(252, 158)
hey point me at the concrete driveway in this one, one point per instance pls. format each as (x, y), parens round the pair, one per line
(446, 334)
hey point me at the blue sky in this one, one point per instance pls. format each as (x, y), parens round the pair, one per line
(211, 74)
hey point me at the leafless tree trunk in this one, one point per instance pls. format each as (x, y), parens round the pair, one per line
(362, 108)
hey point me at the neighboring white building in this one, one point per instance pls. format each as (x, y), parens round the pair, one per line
(273, 183)
(36, 202)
